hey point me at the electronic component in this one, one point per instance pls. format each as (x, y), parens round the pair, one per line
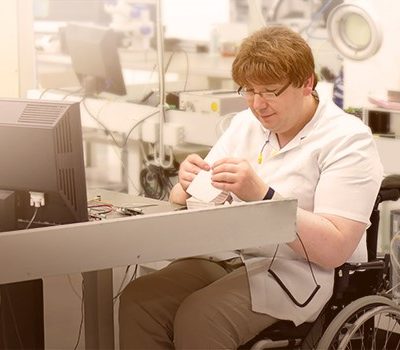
(130, 211)
(216, 102)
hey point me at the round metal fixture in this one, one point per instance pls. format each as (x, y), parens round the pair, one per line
(354, 31)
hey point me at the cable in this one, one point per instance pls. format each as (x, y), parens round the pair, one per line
(308, 259)
(72, 93)
(133, 277)
(69, 93)
(33, 218)
(155, 179)
(82, 316)
(121, 289)
(283, 286)
(170, 158)
(135, 125)
(109, 132)
(73, 288)
(122, 283)
(151, 93)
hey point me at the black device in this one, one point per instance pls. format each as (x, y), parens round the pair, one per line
(95, 60)
(379, 122)
(40, 150)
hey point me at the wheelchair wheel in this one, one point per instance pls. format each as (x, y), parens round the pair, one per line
(371, 322)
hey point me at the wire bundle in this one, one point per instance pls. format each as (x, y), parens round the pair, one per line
(156, 180)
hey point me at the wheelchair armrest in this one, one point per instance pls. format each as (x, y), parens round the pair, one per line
(390, 194)
(365, 276)
(370, 265)
(391, 181)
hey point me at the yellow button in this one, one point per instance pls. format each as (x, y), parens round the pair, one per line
(214, 106)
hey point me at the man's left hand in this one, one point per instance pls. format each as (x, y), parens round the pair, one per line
(237, 176)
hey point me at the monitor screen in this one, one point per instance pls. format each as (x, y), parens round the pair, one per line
(95, 59)
(41, 151)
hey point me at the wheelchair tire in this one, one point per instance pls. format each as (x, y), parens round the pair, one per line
(357, 326)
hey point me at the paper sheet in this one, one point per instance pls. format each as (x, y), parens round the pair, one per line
(201, 189)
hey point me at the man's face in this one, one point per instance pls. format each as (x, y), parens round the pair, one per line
(281, 114)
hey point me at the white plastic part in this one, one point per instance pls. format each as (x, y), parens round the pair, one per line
(37, 199)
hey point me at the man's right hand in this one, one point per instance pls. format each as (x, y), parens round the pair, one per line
(189, 168)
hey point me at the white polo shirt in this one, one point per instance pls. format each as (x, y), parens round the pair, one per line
(332, 166)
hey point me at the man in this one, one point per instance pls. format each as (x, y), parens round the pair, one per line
(291, 142)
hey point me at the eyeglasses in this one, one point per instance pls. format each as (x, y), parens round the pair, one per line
(266, 95)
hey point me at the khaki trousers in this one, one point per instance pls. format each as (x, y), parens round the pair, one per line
(190, 304)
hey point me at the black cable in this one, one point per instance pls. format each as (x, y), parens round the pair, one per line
(155, 180)
(308, 259)
(283, 286)
(133, 277)
(122, 283)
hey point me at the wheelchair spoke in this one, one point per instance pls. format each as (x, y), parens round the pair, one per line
(369, 328)
(370, 323)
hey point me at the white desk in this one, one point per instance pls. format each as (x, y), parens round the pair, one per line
(99, 246)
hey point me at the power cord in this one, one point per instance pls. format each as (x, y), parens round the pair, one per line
(121, 287)
(36, 200)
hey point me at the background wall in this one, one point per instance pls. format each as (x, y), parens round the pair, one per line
(17, 51)
(382, 71)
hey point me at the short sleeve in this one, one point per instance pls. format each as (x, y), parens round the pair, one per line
(351, 174)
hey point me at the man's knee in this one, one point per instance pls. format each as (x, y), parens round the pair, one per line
(195, 325)
(138, 298)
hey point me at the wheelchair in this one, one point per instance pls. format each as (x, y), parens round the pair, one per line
(360, 314)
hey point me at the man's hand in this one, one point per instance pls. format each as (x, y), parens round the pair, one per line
(189, 168)
(237, 176)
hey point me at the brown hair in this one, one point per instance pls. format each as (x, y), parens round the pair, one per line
(272, 55)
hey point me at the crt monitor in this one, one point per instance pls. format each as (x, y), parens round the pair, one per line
(95, 60)
(41, 151)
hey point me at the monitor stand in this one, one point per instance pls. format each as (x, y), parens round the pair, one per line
(21, 304)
